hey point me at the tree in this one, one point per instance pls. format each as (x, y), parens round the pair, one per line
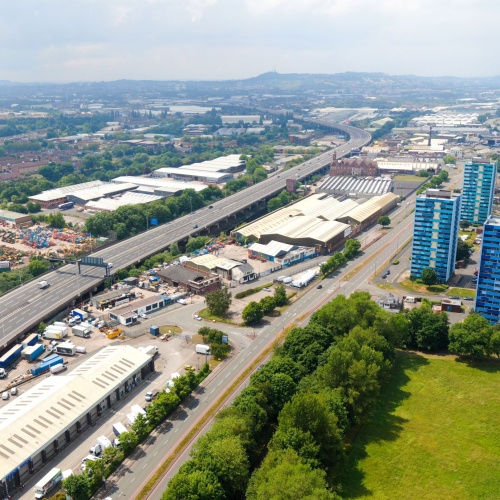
(197, 484)
(351, 248)
(429, 276)
(284, 475)
(227, 460)
(77, 487)
(495, 342)
(450, 159)
(140, 427)
(218, 301)
(38, 267)
(94, 472)
(128, 441)
(252, 313)
(472, 337)
(268, 304)
(383, 220)
(463, 250)
(280, 297)
(464, 224)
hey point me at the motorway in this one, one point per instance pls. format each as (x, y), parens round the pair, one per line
(24, 307)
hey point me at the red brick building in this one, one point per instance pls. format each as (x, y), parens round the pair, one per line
(357, 167)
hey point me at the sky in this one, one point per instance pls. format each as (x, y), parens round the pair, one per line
(103, 40)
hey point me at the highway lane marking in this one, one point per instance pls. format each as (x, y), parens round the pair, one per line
(156, 453)
(212, 391)
(145, 466)
(166, 441)
(132, 480)
(176, 429)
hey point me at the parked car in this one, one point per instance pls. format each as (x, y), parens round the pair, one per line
(267, 289)
(319, 287)
(143, 315)
(189, 368)
(468, 298)
(455, 297)
(196, 317)
(5, 395)
(195, 226)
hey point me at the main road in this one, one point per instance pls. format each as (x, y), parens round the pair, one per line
(24, 307)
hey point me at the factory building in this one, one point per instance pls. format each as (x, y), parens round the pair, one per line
(158, 186)
(126, 199)
(190, 280)
(79, 194)
(15, 218)
(226, 268)
(128, 314)
(38, 424)
(367, 214)
(355, 187)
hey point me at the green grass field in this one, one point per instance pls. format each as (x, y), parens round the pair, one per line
(435, 435)
(461, 292)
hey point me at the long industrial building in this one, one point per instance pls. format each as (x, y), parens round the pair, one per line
(38, 424)
(319, 221)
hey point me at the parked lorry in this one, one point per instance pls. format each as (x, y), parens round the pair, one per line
(151, 350)
(136, 409)
(104, 442)
(48, 482)
(83, 315)
(202, 349)
(81, 331)
(43, 284)
(30, 353)
(11, 355)
(54, 334)
(66, 348)
(118, 430)
(44, 366)
(30, 340)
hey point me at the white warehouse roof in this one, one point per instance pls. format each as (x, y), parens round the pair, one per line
(160, 183)
(128, 198)
(55, 194)
(34, 419)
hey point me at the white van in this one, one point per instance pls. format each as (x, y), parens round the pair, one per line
(13, 391)
(86, 459)
(5, 395)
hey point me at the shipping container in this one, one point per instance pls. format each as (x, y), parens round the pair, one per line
(49, 361)
(30, 340)
(30, 353)
(80, 313)
(10, 356)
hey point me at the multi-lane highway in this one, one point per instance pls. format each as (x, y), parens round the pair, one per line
(24, 307)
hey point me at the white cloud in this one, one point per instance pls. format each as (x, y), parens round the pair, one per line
(196, 39)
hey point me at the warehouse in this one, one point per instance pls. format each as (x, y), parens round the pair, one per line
(281, 253)
(159, 186)
(225, 268)
(38, 424)
(187, 174)
(54, 197)
(189, 280)
(406, 167)
(83, 196)
(323, 236)
(355, 187)
(15, 218)
(367, 214)
(128, 198)
(129, 314)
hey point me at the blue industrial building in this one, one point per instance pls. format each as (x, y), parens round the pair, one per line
(488, 280)
(435, 233)
(478, 191)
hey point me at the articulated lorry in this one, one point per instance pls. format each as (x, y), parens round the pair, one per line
(48, 482)
(30, 353)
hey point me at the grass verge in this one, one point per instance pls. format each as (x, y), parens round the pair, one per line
(461, 292)
(385, 286)
(170, 329)
(414, 286)
(216, 319)
(435, 434)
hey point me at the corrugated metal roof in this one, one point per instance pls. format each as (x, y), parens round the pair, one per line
(212, 261)
(366, 210)
(367, 186)
(273, 248)
(103, 190)
(55, 194)
(128, 198)
(160, 183)
(34, 419)
(331, 212)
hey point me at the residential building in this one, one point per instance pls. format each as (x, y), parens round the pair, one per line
(488, 280)
(435, 233)
(478, 190)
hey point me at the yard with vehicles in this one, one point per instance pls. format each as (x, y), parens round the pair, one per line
(434, 434)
